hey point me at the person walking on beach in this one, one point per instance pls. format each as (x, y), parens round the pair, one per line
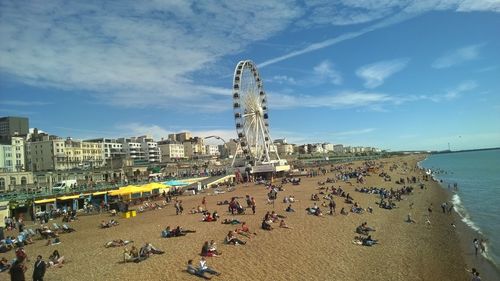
(39, 269)
(443, 206)
(253, 205)
(475, 243)
(450, 208)
(204, 203)
(332, 206)
(482, 245)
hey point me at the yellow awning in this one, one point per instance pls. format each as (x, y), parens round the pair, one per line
(49, 200)
(99, 193)
(68, 197)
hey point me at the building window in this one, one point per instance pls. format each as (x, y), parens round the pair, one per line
(12, 181)
(23, 181)
(2, 184)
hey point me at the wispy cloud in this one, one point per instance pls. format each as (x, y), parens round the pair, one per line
(353, 132)
(344, 99)
(282, 79)
(325, 70)
(388, 12)
(132, 54)
(458, 56)
(374, 74)
(463, 87)
(23, 103)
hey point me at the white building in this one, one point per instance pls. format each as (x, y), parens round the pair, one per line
(141, 148)
(54, 153)
(328, 147)
(12, 157)
(171, 150)
(285, 149)
(213, 150)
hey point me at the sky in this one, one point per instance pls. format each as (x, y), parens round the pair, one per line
(397, 75)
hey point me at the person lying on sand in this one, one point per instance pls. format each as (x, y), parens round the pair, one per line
(117, 243)
(231, 221)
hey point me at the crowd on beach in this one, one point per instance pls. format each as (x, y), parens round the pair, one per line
(329, 193)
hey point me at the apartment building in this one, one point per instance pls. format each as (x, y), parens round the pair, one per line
(141, 148)
(12, 156)
(194, 147)
(12, 127)
(54, 153)
(213, 150)
(285, 149)
(180, 137)
(171, 150)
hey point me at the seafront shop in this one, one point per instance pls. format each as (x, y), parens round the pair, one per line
(29, 207)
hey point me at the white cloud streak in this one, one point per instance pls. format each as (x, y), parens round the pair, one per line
(458, 56)
(388, 12)
(374, 74)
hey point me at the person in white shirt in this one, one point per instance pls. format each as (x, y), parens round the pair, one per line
(204, 267)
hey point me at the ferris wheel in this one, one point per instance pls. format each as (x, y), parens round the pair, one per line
(251, 115)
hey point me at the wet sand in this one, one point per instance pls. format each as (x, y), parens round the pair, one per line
(315, 249)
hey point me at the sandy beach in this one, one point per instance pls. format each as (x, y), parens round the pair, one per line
(317, 248)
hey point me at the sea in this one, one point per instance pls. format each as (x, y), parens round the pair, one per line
(477, 196)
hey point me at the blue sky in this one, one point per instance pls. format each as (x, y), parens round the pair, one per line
(391, 74)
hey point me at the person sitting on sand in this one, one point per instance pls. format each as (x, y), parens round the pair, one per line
(289, 209)
(195, 271)
(343, 211)
(128, 256)
(231, 239)
(148, 249)
(409, 219)
(204, 267)
(209, 250)
(284, 225)
(4, 264)
(117, 243)
(167, 232)
(56, 260)
(275, 217)
(207, 217)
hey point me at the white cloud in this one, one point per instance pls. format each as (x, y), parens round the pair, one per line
(458, 56)
(282, 79)
(387, 12)
(23, 103)
(374, 74)
(133, 53)
(353, 132)
(326, 71)
(475, 5)
(345, 99)
(463, 87)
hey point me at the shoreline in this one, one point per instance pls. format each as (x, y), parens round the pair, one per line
(466, 233)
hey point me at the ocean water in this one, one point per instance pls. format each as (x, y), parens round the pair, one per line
(477, 201)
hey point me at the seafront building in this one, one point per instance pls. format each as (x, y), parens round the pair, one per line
(12, 156)
(171, 150)
(55, 154)
(12, 127)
